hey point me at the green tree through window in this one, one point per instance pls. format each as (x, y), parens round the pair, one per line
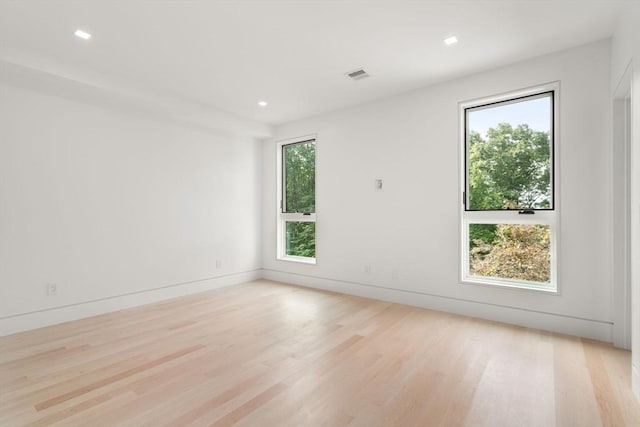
(300, 177)
(510, 169)
(299, 196)
(509, 155)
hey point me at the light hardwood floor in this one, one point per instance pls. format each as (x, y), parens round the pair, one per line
(269, 354)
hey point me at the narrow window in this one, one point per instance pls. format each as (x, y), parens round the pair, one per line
(509, 218)
(297, 201)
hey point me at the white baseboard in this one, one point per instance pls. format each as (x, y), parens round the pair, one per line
(597, 330)
(55, 315)
(601, 331)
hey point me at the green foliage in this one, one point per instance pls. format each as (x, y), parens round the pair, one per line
(519, 252)
(301, 239)
(511, 169)
(485, 233)
(300, 177)
(300, 196)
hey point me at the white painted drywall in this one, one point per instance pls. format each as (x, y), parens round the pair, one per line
(409, 232)
(626, 53)
(108, 204)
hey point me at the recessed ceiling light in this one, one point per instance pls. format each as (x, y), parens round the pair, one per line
(263, 103)
(451, 40)
(82, 34)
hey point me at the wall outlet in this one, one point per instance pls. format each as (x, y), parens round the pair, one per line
(218, 263)
(52, 289)
(367, 269)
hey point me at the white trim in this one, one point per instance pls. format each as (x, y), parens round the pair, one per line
(550, 218)
(505, 96)
(575, 326)
(586, 328)
(508, 283)
(621, 208)
(469, 279)
(635, 381)
(281, 217)
(634, 222)
(298, 259)
(52, 316)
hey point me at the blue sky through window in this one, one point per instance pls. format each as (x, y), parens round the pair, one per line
(536, 113)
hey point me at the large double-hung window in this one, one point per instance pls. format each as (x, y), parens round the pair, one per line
(297, 199)
(509, 197)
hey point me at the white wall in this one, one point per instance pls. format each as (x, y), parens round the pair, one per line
(117, 209)
(626, 53)
(408, 233)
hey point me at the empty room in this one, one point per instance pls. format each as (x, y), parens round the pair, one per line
(319, 213)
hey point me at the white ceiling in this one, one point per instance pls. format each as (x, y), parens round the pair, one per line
(230, 54)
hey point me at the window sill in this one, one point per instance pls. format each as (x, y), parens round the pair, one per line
(298, 259)
(508, 284)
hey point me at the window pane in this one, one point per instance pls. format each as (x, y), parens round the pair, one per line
(511, 251)
(299, 178)
(509, 149)
(301, 239)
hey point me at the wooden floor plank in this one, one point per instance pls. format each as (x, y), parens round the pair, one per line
(266, 353)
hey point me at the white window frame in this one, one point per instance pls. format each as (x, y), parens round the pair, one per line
(540, 217)
(283, 217)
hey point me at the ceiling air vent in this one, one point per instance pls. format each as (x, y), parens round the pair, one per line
(358, 74)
